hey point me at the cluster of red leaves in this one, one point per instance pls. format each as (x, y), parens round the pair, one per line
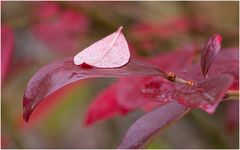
(130, 92)
(60, 28)
(154, 91)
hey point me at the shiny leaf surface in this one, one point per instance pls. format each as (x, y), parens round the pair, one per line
(63, 72)
(145, 128)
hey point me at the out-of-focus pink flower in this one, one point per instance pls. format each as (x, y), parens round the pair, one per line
(6, 49)
(61, 29)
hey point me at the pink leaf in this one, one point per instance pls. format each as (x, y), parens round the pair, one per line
(207, 94)
(104, 106)
(63, 72)
(144, 129)
(7, 41)
(209, 52)
(109, 52)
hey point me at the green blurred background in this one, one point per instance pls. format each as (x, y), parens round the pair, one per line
(61, 125)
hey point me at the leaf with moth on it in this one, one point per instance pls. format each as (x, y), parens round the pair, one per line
(109, 52)
(104, 106)
(209, 53)
(149, 125)
(207, 94)
(63, 72)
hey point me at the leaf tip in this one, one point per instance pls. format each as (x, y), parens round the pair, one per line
(26, 115)
(77, 60)
(218, 37)
(120, 28)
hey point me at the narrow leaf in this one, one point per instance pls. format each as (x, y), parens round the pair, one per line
(110, 52)
(151, 124)
(63, 72)
(210, 52)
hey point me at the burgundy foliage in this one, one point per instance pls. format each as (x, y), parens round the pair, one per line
(207, 94)
(144, 92)
(63, 72)
(143, 85)
(151, 124)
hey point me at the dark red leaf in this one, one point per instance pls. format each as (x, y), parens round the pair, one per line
(145, 128)
(207, 94)
(7, 41)
(209, 52)
(104, 106)
(63, 72)
(46, 107)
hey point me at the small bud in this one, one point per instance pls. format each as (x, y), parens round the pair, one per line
(209, 52)
(171, 76)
